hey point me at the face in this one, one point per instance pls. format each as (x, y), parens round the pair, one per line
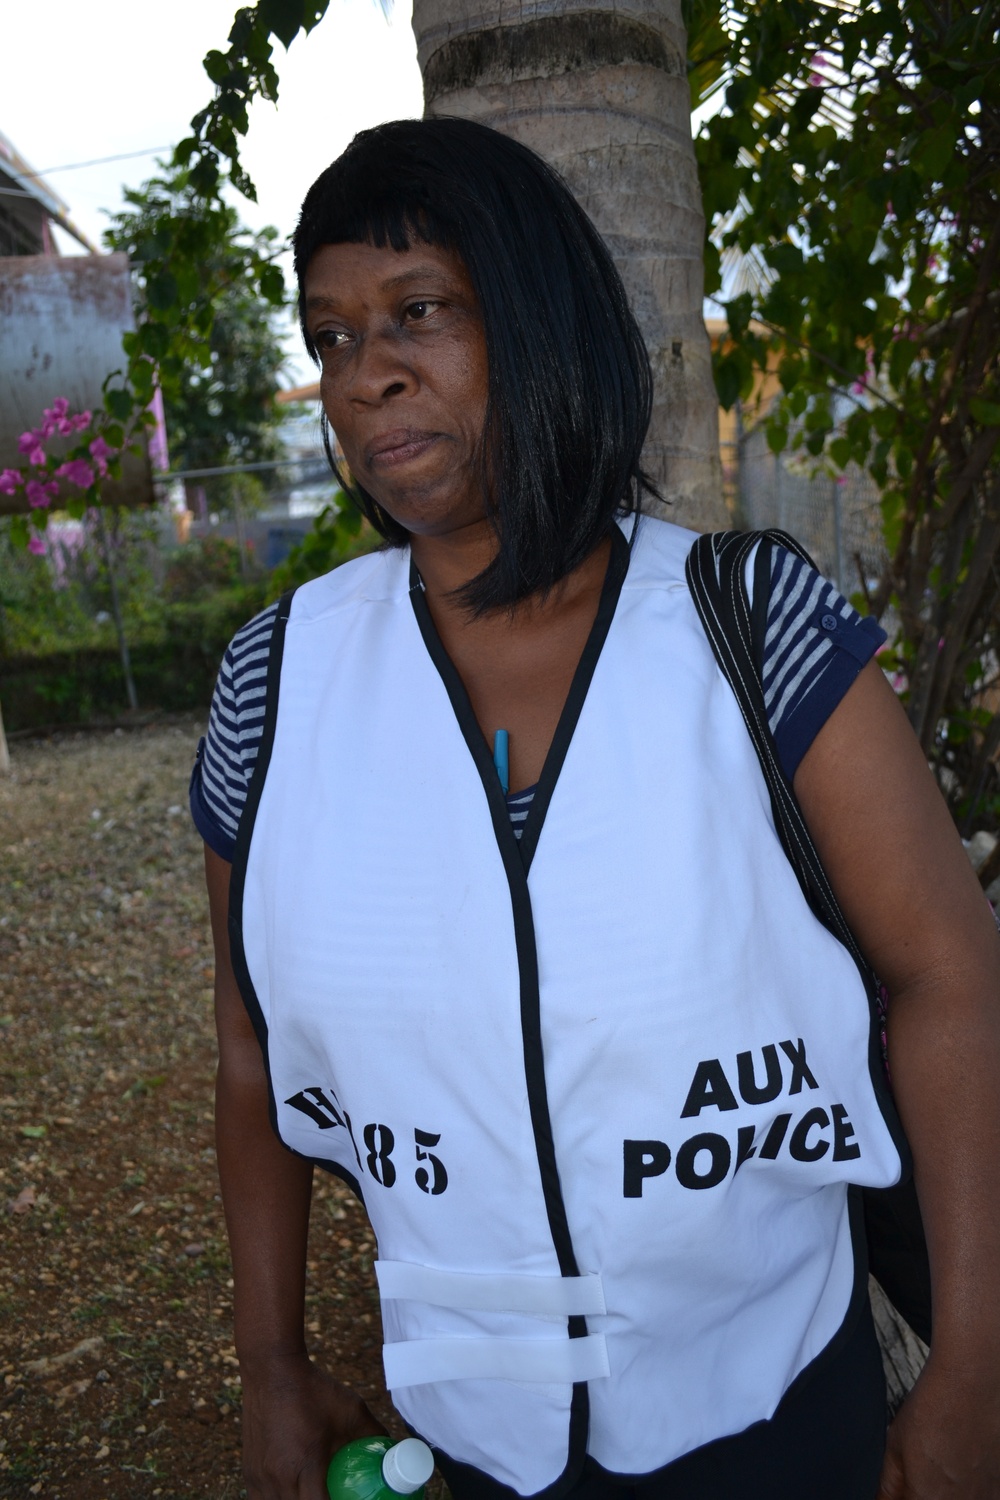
(404, 378)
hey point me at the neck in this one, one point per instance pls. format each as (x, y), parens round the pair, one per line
(447, 563)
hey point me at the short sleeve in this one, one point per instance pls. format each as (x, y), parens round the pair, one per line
(815, 646)
(228, 752)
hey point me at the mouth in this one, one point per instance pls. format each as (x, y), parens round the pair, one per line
(398, 447)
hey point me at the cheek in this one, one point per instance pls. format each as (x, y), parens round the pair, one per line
(470, 386)
(338, 414)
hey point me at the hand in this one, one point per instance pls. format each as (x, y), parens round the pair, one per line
(294, 1418)
(945, 1441)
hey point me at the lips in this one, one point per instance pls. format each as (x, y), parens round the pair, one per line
(398, 446)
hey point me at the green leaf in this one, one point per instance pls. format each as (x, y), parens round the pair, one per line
(777, 436)
(727, 382)
(272, 285)
(933, 152)
(740, 93)
(713, 268)
(283, 18)
(153, 339)
(204, 175)
(892, 518)
(34, 1132)
(790, 371)
(738, 313)
(118, 403)
(987, 412)
(884, 420)
(840, 452)
(161, 292)
(143, 374)
(879, 462)
(217, 66)
(900, 359)
(902, 456)
(858, 425)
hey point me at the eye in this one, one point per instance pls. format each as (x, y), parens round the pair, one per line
(329, 339)
(420, 310)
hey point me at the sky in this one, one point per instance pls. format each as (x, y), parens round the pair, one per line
(115, 76)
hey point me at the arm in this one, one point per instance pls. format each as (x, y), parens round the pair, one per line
(909, 894)
(294, 1416)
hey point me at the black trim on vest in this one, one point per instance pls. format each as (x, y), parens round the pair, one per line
(237, 880)
(516, 861)
(614, 578)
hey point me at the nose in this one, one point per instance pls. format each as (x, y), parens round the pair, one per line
(380, 370)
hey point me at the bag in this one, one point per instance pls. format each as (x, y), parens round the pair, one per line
(716, 574)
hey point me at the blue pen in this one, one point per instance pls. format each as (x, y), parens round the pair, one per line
(501, 759)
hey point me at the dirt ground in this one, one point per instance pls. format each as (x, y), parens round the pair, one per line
(118, 1376)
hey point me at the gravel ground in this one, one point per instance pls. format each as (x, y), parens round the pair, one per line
(117, 1372)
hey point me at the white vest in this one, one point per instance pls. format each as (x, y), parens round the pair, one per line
(603, 1116)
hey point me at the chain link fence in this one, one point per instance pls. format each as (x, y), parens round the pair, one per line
(836, 518)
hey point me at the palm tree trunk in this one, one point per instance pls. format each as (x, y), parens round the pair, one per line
(602, 95)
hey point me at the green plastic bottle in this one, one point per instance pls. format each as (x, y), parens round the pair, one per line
(376, 1468)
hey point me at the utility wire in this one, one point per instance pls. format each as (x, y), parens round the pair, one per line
(98, 161)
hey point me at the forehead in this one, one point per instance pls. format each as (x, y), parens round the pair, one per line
(339, 273)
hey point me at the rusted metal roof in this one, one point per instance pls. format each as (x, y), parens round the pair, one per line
(26, 195)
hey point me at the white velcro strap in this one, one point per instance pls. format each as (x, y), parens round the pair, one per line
(556, 1361)
(558, 1296)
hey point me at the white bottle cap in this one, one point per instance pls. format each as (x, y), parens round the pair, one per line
(407, 1465)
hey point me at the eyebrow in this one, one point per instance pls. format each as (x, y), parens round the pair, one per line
(318, 302)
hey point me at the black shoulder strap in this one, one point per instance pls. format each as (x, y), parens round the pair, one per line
(736, 629)
(716, 574)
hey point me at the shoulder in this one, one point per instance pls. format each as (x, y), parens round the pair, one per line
(659, 551)
(228, 752)
(815, 646)
(377, 576)
(246, 655)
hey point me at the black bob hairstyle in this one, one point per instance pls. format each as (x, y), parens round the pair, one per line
(569, 383)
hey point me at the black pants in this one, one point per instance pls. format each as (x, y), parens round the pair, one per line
(825, 1442)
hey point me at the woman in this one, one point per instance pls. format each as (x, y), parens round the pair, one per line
(600, 1076)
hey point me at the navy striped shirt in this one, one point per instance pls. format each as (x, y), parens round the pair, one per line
(815, 646)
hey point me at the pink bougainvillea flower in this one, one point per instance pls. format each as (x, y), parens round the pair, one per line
(37, 546)
(40, 494)
(78, 472)
(80, 421)
(101, 453)
(59, 408)
(27, 441)
(10, 480)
